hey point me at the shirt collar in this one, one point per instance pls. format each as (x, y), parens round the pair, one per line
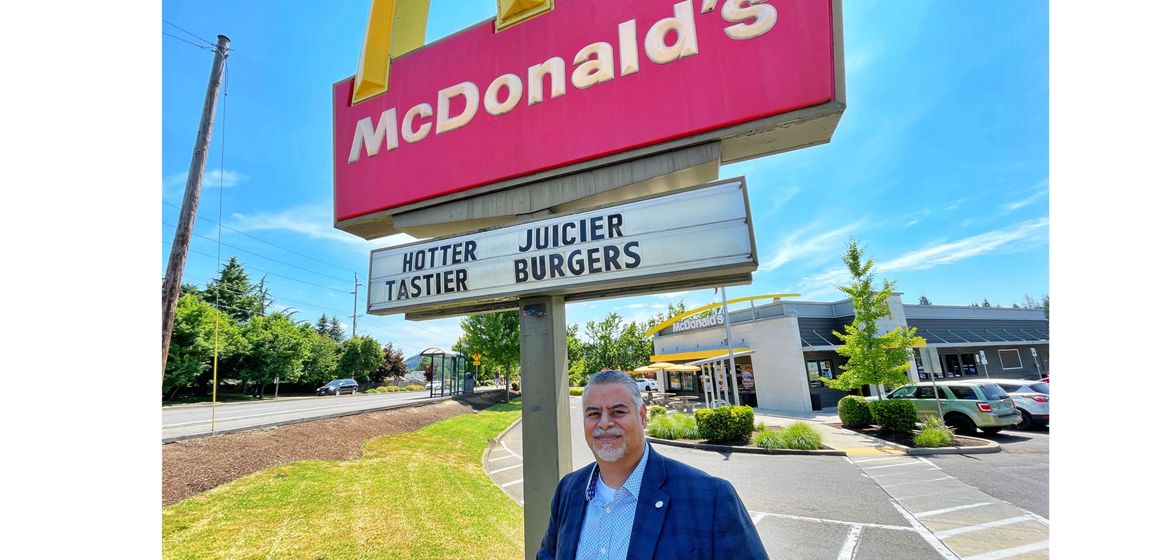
(632, 483)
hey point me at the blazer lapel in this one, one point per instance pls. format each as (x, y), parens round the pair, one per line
(573, 519)
(652, 503)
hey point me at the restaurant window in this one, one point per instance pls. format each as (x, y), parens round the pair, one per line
(817, 369)
(921, 373)
(958, 365)
(1010, 358)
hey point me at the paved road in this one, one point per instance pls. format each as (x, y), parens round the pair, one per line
(1019, 474)
(181, 421)
(864, 507)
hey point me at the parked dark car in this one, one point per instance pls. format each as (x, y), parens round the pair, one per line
(338, 387)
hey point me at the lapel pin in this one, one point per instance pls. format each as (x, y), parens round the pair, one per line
(659, 504)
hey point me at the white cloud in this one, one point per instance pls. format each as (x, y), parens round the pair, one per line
(1016, 204)
(1021, 234)
(824, 284)
(808, 241)
(177, 183)
(313, 221)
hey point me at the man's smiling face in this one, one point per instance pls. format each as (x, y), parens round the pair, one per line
(614, 425)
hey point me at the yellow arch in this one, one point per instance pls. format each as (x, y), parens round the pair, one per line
(703, 308)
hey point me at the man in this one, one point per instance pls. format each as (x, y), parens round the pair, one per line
(634, 503)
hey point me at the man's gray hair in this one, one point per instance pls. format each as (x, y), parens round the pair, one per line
(612, 376)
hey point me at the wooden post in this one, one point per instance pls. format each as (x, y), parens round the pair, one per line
(172, 284)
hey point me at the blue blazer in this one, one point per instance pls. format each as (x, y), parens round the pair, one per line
(700, 517)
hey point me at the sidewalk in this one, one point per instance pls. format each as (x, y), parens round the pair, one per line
(840, 439)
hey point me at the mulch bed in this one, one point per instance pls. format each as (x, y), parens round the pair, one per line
(907, 439)
(193, 466)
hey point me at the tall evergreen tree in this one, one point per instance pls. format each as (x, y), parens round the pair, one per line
(322, 325)
(236, 295)
(925, 301)
(336, 330)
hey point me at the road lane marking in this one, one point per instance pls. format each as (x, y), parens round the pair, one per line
(924, 532)
(896, 465)
(1036, 517)
(982, 526)
(341, 405)
(897, 474)
(520, 465)
(880, 459)
(507, 456)
(763, 514)
(512, 483)
(997, 554)
(757, 517)
(914, 482)
(504, 444)
(848, 551)
(950, 509)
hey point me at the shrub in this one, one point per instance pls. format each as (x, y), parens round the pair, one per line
(760, 427)
(575, 391)
(767, 439)
(725, 424)
(673, 426)
(413, 388)
(934, 434)
(656, 410)
(894, 415)
(854, 412)
(514, 386)
(799, 435)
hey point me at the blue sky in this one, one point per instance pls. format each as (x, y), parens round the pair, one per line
(939, 165)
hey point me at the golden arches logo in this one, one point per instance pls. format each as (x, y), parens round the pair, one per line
(397, 27)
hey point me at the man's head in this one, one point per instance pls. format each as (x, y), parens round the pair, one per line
(614, 416)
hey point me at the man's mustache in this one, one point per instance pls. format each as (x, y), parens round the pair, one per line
(609, 432)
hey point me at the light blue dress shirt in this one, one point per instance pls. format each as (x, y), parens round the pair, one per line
(608, 518)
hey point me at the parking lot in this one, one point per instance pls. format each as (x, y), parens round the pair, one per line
(865, 506)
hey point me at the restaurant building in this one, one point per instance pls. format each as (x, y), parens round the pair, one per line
(782, 348)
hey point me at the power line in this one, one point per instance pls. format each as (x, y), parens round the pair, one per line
(268, 272)
(165, 223)
(196, 45)
(268, 242)
(212, 45)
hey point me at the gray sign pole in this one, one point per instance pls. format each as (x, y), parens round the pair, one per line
(547, 446)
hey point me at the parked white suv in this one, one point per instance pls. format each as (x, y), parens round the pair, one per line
(647, 384)
(1031, 397)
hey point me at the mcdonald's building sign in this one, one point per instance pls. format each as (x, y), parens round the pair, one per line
(575, 83)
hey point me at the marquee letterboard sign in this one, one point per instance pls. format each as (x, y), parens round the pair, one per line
(689, 238)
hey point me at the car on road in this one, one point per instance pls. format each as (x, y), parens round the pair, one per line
(965, 405)
(647, 384)
(1031, 397)
(338, 387)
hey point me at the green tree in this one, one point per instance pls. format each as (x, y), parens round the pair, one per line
(322, 324)
(393, 364)
(1046, 305)
(360, 358)
(277, 347)
(577, 369)
(601, 346)
(872, 359)
(925, 301)
(236, 295)
(192, 343)
(336, 330)
(493, 335)
(638, 348)
(324, 354)
(985, 302)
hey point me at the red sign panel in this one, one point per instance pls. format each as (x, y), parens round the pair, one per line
(586, 80)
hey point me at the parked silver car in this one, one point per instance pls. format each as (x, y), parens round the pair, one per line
(1032, 397)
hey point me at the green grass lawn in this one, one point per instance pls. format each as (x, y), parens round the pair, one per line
(417, 495)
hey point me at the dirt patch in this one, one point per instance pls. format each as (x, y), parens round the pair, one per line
(197, 465)
(907, 439)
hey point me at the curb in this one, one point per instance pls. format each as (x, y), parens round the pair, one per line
(988, 447)
(743, 449)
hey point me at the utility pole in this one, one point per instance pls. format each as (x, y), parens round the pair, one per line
(172, 284)
(353, 334)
